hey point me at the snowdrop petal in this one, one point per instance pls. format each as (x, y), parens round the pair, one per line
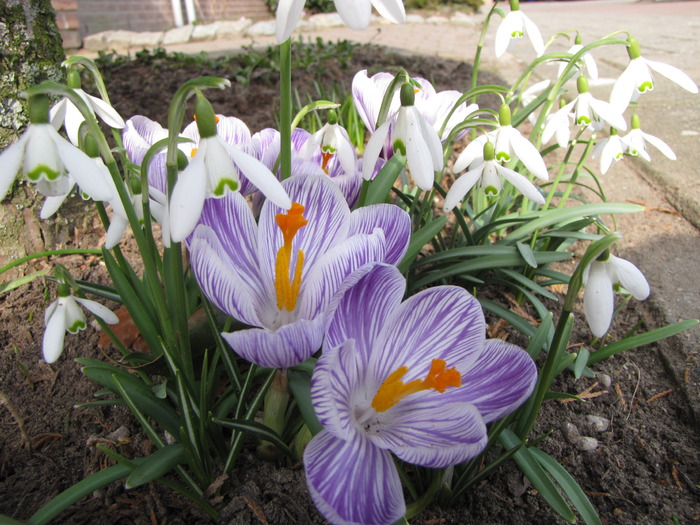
(598, 299)
(54, 334)
(529, 155)
(523, 185)
(287, 15)
(660, 145)
(187, 200)
(473, 151)
(98, 310)
(510, 24)
(674, 74)
(533, 33)
(340, 474)
(107, 113)
(392, 10)
(287, 346)
(10, 163)
(355, 14)
(629, 276)
(373, 148)
(117, 227)
(461, 187)
(608, 113)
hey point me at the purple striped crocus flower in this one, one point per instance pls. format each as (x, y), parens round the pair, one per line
(416, 378)
(280, 274)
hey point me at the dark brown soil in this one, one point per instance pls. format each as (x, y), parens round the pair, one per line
(645, 469)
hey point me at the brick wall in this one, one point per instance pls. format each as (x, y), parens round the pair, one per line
(68, 22)
(156, 15)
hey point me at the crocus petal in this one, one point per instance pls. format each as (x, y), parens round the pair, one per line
(288, 15)
(461, 187)
(98, 310)
(598, 299)
(500, 380)
(446, 323)
(285, 347)
(674, 74)
(432, 430)
(523, 185)
(629, 276)
(54, 334)
(329, 272)
(187, 199)
(395, 223)
(352, 482)
(354, 315)
(660, 145)
(83, 169)
(355, 14)
(373, 148)
(392, 10)
(223, 278)
(10, 162)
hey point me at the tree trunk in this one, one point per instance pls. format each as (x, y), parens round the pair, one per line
(31, 50)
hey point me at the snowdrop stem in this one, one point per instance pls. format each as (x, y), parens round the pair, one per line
(401, 78)
(560, 173)
(576, 172)
(480, 46)
(286, 109)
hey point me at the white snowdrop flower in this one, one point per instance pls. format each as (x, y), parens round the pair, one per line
(636, 141)
(599, 297)
(514, 26)
(637, 78)
(610, 150)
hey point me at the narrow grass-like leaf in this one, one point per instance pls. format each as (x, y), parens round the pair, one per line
(568, 484)
(641, 339)
(419, 239)
(21, 281)
(518, 322)
(581, 362)
(542, 337)
(378, 188)
(263, 432)
(156, 465)
(537, 476)
(526, 253)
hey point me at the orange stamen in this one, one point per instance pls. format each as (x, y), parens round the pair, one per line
(193, 152)
(326, 156)
(393, 389)
(288, 289)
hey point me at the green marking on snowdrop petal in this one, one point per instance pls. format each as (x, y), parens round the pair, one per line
(502, 157)
(223, 184)
(516, 34)
(583, 119)
(400, 147)
(491, 191)
(76, 326)
(42, 169)
(645, 86)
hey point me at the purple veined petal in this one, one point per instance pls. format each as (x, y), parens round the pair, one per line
(529, 155)
(326, 276)
(289, 345)
(353, 482)
(337, 375)
(432, 429)
(139, 134)
(373, 148)
(54, 334)
(392, 10)
(501, 379)
(328, 222)
(674, 75)
(227, 285)
(82, 168)
(629, 276)
(361, 306)
(98, 310)
(444, 322)
(598, 299)
(10, 163)
(464, 183)
(187, 199)
(395, 223)
(660, 145)
(233, 130)
(522, 184)
(267, 146)
(350, 184)
(287, 16)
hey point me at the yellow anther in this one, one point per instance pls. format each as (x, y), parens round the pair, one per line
(393, 389)
(326, 157)
(287, 288)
